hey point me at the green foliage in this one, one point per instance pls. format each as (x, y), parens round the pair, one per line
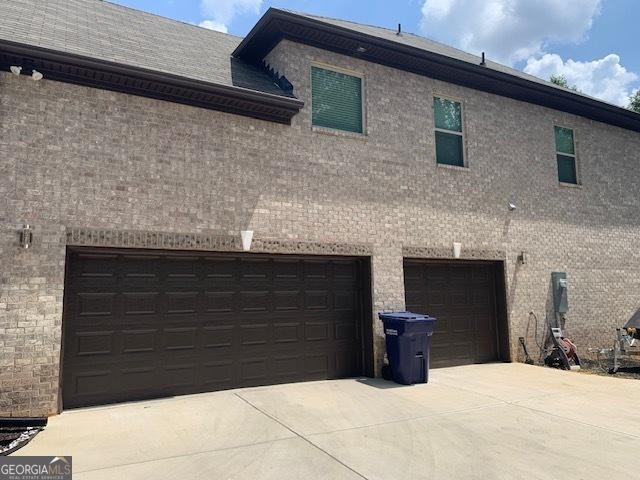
(634, 102)
(561, 81)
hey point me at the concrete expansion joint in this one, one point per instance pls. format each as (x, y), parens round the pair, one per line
(299, 435)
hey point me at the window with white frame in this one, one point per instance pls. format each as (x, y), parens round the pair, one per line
(449, 132)
(566, 155)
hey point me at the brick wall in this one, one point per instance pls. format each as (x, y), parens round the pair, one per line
(78, 157)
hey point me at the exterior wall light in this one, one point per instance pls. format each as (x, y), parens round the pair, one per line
(36, 75)
(522, 258)
(247, 237)
(457, 249)
(15, 70)
(26, 237)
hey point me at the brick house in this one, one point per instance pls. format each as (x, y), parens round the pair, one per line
(356, 155)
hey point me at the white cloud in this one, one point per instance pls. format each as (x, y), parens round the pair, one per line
(219, 13)
(604, 78)
(213, 25)
(509, 31)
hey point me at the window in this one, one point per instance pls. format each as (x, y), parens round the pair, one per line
(449, 141)
(566, 155)
(336, 100)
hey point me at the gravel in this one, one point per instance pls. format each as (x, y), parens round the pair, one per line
(13, 438)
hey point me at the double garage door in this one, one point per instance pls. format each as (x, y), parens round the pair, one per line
(141, 324)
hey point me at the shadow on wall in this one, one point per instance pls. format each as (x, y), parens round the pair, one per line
(537, 326)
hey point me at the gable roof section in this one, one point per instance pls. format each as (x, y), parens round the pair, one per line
(424, 57)
(97, 43)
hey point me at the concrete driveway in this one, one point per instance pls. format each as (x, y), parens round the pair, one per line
(496, 421)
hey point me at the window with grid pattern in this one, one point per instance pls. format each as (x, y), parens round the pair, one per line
(449, 136)
(566, 155)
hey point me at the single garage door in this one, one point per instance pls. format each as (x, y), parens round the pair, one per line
(141, 324)
(462, 297)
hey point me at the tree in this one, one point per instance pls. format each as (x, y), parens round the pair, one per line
(634, 101)
(561, 81)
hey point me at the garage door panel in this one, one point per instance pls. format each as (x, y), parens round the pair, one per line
(139, 341)
(462, 324)
(219, 374)
(316, 331)
(180, 375)
(413, 273)
(287, 300)
(140, 303)
(345, 300)
(345, 271)
(222, 301)
(148, 325)
(219, 269)
(287, 271)
(316, 300)
(413, 297)
(348, 362)
(132, 378)
(254, 300)
(254, 370)
(458, 275)
(90, 382)
(317, 363)
(346, 331)
(180, 267)
(315, 270)
(434, 275)
(93, 343)
(179, 338)
(140, 267)
(461, 296)
(96, 304)
(181, 302)
(255, 270)
(258, 334)
(218, 337)
(289, 332)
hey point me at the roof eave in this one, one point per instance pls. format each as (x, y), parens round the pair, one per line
(276, 25)
(81, 70)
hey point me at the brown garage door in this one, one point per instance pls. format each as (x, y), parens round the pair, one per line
(462, 298)
(142, 324)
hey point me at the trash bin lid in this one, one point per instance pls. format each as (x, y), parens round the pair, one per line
(405, 316)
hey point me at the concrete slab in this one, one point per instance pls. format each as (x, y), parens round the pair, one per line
(279, 460)
(328, 406)
(497, 442)
(143, 431)
(612, 410)
(510, 382)
(497, 421)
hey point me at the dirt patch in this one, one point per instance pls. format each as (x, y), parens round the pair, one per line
(630, 368)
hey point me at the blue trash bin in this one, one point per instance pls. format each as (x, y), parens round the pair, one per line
(408, 338)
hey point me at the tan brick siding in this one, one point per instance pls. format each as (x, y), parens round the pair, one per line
(79, 157)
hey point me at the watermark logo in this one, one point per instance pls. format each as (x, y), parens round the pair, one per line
(35, 468)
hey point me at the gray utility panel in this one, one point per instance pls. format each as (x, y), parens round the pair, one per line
(560, 296)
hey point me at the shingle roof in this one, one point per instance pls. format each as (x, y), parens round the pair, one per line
(426, 44)
(422, 56)
(109, 32)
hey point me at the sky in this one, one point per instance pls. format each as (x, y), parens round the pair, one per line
(593, 43)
